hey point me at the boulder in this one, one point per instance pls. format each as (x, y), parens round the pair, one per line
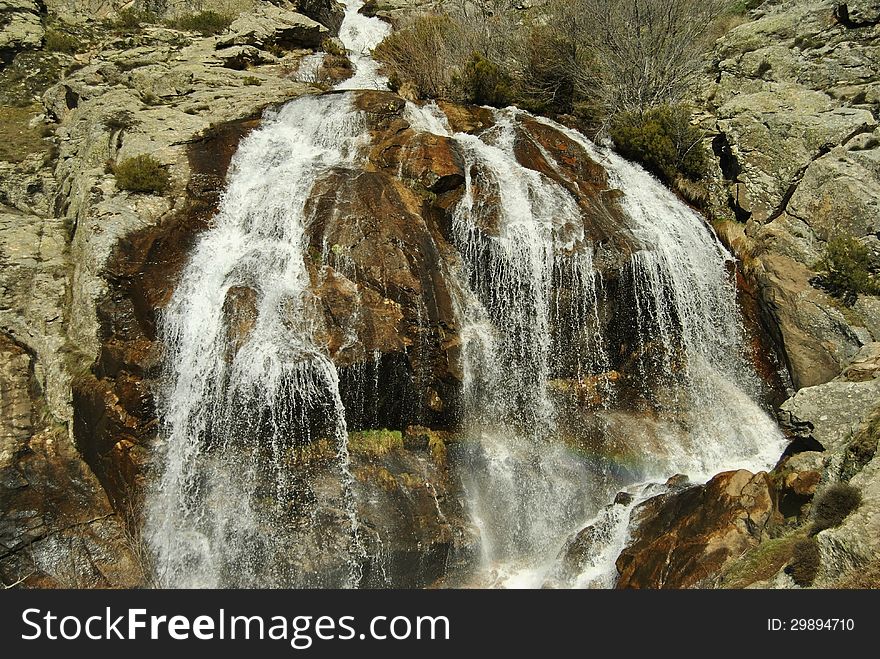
(683, 538)
(815, 337)
(830, 413)
(270, 26)
(20, 27)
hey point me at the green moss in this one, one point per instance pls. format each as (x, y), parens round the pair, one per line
(206, 23)
(437, 447)
(759, 563)
(252, 81)
(375, 442)
(142, 174)
(662, 140)
(845, 270)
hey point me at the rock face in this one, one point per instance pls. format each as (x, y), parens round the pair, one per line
(20, 27)
(793, 109)
(681, 538)
(57, 528)
(271, 26)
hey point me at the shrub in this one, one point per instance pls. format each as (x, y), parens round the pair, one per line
(131, 19)
(846, 270)
(483, 82)
(663, 140)
(141, 174)
(833, 506)
(424, 54)
(805, 561)
(59, 42)
(206, 23)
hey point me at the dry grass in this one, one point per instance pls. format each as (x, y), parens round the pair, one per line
(17, 139)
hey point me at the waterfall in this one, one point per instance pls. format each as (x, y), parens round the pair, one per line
(217, 515)
(526, 492)
(248, 383)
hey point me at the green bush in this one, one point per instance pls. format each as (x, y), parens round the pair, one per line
(483, 82)
(57, 41)
(805, 561)
(132, 20)
(833, 506)
(141, 174)
(662, 140)
(846, 270)
(206, 23)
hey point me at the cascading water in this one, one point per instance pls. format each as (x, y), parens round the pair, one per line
(247, 375)
(361, 34)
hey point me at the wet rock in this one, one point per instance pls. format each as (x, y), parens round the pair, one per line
(380, 105)
(685, 537)
(57, 528)
(623, 499)
(430, 160)
(240, 316)
(411, 512)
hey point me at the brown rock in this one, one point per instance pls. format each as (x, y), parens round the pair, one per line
(684, 537)
(430, 160)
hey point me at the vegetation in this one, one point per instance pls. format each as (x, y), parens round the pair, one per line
(142, 174)
(663, 140)
(759, 563)
(57, 41)
(17, 138)
(861, 450)
(600, 63)
(375, 442)
(805, 561)
(132, 19)
(834, 505)
(207, 23)
(483, 82)
(845, 270)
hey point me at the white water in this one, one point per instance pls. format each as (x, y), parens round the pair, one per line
(219, 517)
(527, 493)
(361, 34)
(215, 517)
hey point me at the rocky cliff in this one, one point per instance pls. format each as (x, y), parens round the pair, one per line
(791, 107)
